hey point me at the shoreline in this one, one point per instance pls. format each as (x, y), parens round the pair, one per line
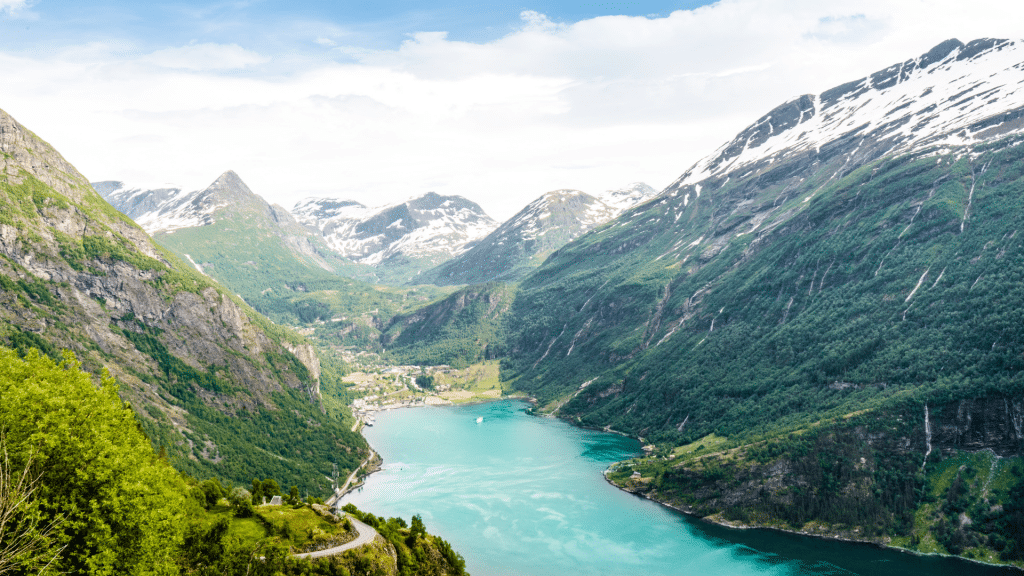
(690, 515)
(879, 545)
(735, 526)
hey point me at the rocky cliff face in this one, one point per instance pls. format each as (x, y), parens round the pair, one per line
(307, 355)
(993, 423)
(77, 274)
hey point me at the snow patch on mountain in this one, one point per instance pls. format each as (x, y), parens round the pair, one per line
(955, 94)
(170, 208)
(623, 199)
(431, 226)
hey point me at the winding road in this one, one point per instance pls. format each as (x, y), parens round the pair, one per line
(364, 535)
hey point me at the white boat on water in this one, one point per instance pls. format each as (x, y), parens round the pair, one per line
(480, 419)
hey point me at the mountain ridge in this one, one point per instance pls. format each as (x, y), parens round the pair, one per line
(522, 242)
(399, 239)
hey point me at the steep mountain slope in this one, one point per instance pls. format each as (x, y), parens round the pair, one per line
(826, 258)
(399, 240)
(525, 240)
(222, 390)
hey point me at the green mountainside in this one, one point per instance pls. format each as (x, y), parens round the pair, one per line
(223, 391)
(857, 289)
(820, 263)
(462, 329)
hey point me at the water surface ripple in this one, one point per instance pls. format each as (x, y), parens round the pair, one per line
(525, 496)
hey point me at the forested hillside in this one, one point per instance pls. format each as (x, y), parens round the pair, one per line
(815, 282)
(221, 389)
(461, 329)
(869, 289)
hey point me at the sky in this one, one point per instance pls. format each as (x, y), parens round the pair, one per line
(378, 102)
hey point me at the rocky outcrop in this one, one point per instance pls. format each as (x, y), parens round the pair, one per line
(995, 423)
(307, 355)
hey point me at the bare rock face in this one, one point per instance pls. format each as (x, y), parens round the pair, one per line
(307, 355)
(995, 423)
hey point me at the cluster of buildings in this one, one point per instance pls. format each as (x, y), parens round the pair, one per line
(391, 387)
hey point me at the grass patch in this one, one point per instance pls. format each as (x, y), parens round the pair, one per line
(281, 524)
(710, 443)
(295, 525)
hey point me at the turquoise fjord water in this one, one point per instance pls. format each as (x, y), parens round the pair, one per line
(524, 496)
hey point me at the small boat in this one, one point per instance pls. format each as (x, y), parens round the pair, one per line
(480, 419)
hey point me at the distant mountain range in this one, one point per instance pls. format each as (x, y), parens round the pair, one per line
(400, 239)
(410, 242)
(524, 241)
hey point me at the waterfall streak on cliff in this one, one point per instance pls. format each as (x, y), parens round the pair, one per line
(553, 340)
(927, 437)
(914, 291)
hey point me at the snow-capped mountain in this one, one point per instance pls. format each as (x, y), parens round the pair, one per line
(164, 209)
(418, 233)
(878, 207)
(227, 231)
(138, 201)
(624, 198)
(546, 224)
(953, 95)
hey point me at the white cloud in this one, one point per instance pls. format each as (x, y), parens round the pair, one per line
(205, 57)
(590, 105)
(17, 8)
